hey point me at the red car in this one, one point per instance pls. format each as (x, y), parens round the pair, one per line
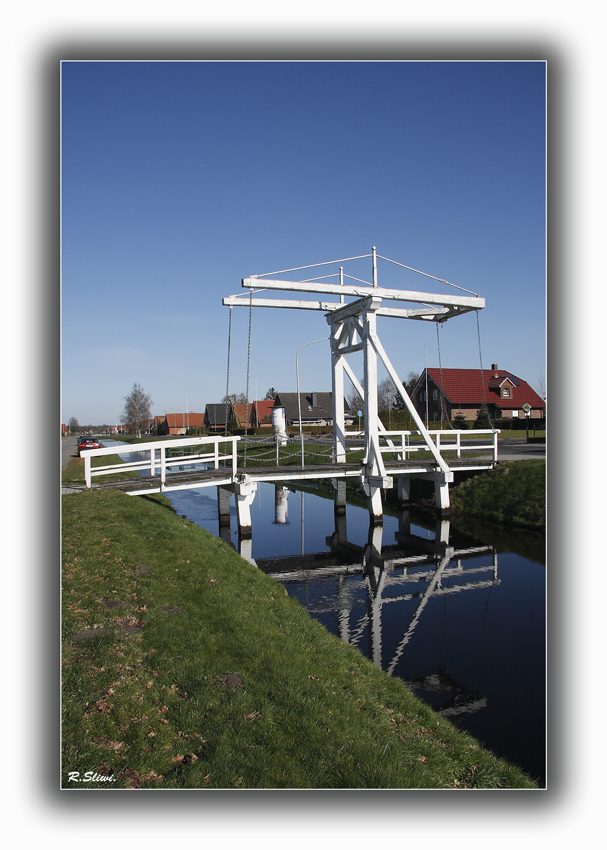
(87, 443)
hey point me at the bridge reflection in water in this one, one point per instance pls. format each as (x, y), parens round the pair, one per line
(413, 570)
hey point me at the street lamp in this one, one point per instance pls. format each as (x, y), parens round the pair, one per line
(324, 339)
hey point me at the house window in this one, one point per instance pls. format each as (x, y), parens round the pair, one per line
(515, 414)
(434, 394)
(506, 392)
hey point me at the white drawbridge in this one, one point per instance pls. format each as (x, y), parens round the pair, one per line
(353, 328)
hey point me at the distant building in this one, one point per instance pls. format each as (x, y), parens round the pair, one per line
(242, 414)
(316, 408)
(261, 413)
(466, 391)
(216, 416)
(178, 424)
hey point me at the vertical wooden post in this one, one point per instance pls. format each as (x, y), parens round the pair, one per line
(223, 507)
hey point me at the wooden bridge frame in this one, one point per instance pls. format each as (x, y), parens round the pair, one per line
(354, 328)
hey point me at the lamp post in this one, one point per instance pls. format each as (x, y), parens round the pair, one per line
(324, 339)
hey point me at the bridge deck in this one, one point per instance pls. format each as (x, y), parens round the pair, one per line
(190, 479)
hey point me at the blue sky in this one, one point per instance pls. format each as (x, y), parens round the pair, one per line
(181, 178)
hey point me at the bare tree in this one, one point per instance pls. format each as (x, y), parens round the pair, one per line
(73, 425)
(136, 413)
(235, 398)
(386, 392)
(541, 386)
(409, 385)
(355, 401)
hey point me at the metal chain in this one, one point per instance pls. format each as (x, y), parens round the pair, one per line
(228, 371)
(442, 394)
(246, 419)
(480, 356)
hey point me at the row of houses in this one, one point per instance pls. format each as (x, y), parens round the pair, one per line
(316, 409)
(459, 391)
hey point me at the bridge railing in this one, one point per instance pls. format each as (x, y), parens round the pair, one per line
(159, 457)
(447, 440)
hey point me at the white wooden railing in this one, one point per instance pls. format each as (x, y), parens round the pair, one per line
(448, 440)
(156, 460)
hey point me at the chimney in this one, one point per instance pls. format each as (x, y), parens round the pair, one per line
(494, 366)
(314, 399)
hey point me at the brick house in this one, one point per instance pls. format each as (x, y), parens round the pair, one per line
(240, 414)
(261, 413)
(177, 424)
(465, 391)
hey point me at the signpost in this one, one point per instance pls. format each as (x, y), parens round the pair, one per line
(527, 409)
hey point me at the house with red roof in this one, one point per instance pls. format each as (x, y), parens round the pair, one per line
(177, 424)
(466, 391)
(242, 414)
(261, 413)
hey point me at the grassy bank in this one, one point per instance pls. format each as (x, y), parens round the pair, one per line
(186, 667)
(514, 493)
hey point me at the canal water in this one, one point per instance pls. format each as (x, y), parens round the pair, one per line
(458, 614)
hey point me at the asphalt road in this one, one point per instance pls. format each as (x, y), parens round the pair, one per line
(517, 448)
(69, 450)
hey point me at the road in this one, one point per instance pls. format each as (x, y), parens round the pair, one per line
(69, 450)
(517, 448)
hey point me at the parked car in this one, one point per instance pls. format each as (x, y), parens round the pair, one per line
(87, 443)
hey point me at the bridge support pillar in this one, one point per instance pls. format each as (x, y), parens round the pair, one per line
(339, 496)
(375, 507)
(245, 493)
(441, 495)
(223, 507)
(404, 489)
(404, 524)
(245, 549)
(441, 489)
(372, 487)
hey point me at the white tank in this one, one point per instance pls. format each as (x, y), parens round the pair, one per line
(279, 425)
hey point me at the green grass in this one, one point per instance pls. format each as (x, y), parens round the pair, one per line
(73, 474)
(514, 493)
(157, 613)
